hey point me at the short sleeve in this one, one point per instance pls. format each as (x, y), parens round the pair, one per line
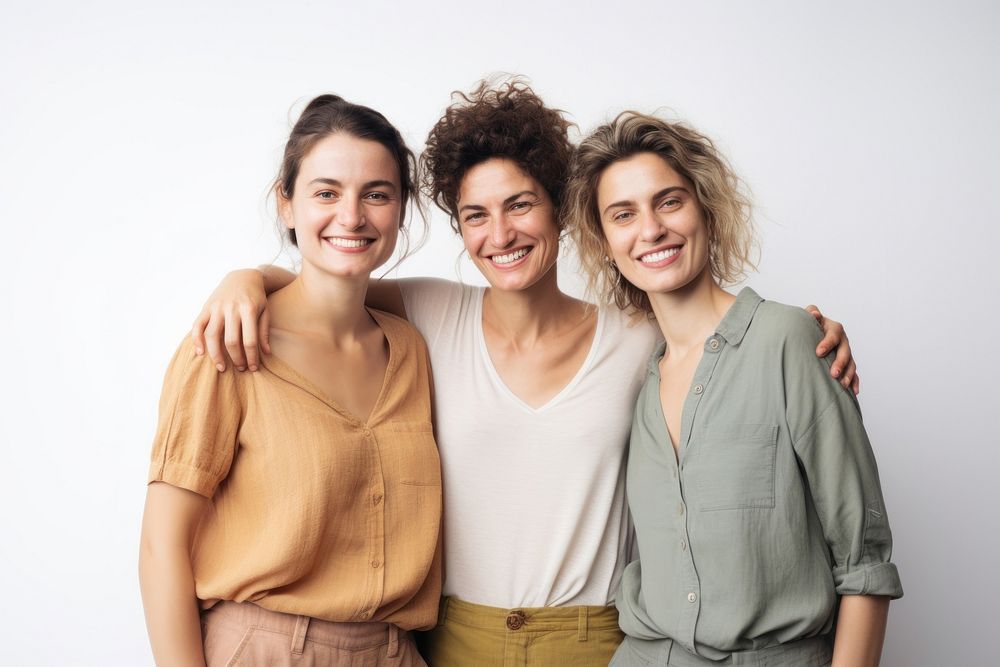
(433, 303)
(200, 415)
(832, 445)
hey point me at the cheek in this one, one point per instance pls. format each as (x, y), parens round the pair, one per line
(471, 239)
(615, 246)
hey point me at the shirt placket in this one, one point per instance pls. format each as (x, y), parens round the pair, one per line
(691, 583)
(376, 536)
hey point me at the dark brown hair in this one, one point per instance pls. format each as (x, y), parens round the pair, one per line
(330, 114)
(496, 120)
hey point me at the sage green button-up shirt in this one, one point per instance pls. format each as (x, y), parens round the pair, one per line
(774, 509)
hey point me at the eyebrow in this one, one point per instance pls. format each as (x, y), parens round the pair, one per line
(370, 184)
(508, 200)
(662, 193)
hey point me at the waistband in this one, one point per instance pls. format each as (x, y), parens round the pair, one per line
(813, 651)
(345, 635)
(529, 619)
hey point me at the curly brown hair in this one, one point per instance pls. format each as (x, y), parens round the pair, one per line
(505, 119)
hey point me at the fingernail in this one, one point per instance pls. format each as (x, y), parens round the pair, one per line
(822, 351)
(836, 372)
(253, 368)
(220, 367)
(241, 368)
(199, 351)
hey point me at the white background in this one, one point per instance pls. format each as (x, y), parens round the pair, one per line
(136, 144)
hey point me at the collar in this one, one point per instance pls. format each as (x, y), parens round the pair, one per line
(737, 320)
(733, 326)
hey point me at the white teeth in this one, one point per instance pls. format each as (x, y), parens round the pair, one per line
(652, 258)
(510, 257)
(348, 243)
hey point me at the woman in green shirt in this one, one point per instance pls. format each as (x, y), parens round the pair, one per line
(761, 528)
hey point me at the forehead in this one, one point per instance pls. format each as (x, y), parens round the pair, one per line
(636, 176)
(496, 178)
(344, 157)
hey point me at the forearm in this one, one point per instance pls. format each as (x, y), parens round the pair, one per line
(171, 607)
(166, 577)
(860, 631)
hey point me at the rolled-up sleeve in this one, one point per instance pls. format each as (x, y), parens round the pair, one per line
(842, 475)
(200, 414)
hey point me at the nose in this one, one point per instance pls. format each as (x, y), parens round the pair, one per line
(651, 227)
(350, 213)
(502, 233)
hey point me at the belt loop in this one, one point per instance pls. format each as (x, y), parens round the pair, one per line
(443, 610)
(299, 634)
(581, 624)
(393, 641)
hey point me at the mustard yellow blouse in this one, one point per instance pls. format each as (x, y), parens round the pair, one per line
(311, 511)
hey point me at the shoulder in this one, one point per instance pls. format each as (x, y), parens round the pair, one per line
(790, 335)
(633, 328)
(792, 326)
(186, 366)
(423, 288)
(193, 384)
(399, 330)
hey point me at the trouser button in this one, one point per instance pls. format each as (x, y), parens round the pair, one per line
(515, 620)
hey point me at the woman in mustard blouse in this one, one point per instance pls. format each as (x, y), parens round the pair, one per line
(294, 514)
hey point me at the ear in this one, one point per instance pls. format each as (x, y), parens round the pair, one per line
(284, 208)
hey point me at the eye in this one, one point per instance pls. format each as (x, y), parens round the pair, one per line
(520, 207)
(378, 197)
(622, 216)
(670, 202)
(326, 194)
(476, 218)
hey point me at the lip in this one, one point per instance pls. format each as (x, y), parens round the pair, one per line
(510, 265)
(666, 261)
(328, 241)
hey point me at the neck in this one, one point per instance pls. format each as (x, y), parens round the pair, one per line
(531, 313)
(689, 315)
(319, 304)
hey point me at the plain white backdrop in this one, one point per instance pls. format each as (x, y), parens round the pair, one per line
(137, 142)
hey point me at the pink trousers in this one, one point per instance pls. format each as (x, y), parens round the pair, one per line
(245, 634)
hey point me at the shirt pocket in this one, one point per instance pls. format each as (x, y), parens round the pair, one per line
(735, 467)
(419, 463)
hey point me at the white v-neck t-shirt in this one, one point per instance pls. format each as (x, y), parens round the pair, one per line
(535, 512)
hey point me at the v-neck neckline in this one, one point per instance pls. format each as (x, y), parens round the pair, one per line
(498, 380)
(286, 372)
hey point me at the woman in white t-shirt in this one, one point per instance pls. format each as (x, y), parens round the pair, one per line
(534, 394)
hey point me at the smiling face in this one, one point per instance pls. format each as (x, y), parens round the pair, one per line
(346, 207)
(654, 226)
(508, 224)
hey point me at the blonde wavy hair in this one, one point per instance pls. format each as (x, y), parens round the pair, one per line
(720, 192)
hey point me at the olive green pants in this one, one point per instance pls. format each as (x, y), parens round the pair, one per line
(471, 634)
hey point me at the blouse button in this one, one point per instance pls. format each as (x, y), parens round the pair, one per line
(714, 344)
(684, 545)
(377, 498)
(698, 389)
(376, 563)
(692, 598)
